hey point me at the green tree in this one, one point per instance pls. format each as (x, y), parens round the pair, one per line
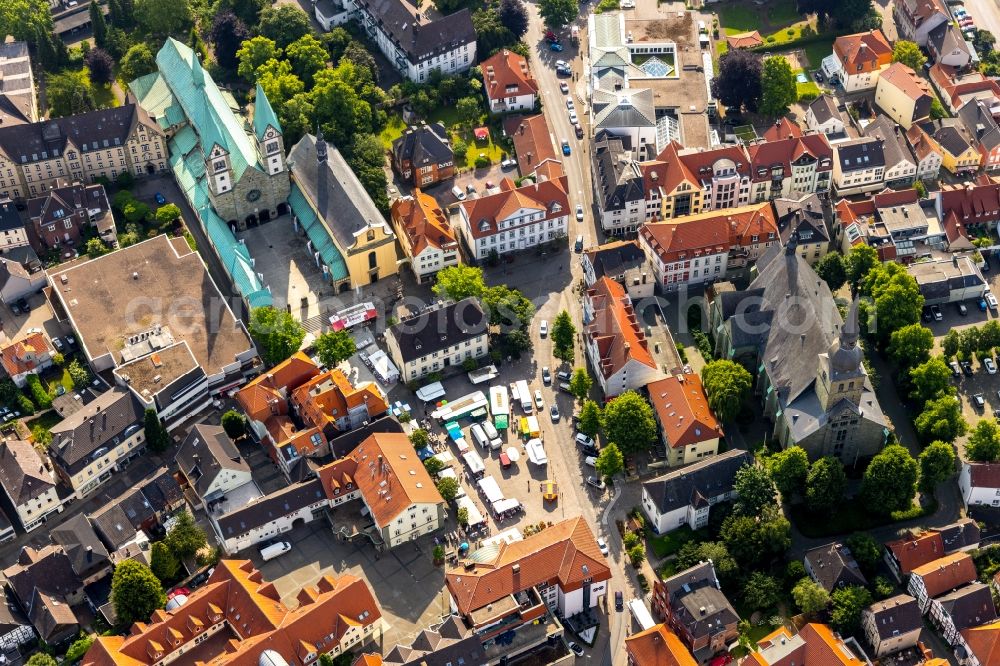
(789, 468)
(95, 248)
(278, 82)
(610, 461)
(284, 24)
(227, 33)
(156, 435)
(727, 385)
(937, 110)
(809, 596)
(858, 262)
(78, 649)
(778, 90)
(336, 42)
(898, 301)
(252, 55)
(308, 56)
(930, 380)
(135, 593)
(469, 111)
(164, 18)
(69, 93)
(754, 540)
(628, 421)
(754, 490)
(580, 383)
(563, 335)
(909, 54)
(462, 516)
(296, 117)
(448, 488)
(941, 419)
(636, 554)
(984, 442)
(79, 374)
(25, 20)
(508, 308)
(433, 466)
(848, 603)
(737, 84)
(98, 24)
(41, 435)
(164, 563)
(867, 551)
(41, 659)
(911, 345)
(557, 13)
(514, 16)
(890, 480)
(692, 552)
(278, 336)
(937, 464)
(235, 424)
(491, 34)
(335, 347)
(367, 161)
(761, 591)
(137, 61)
(832, 270)
(590, 418)
(167, 214)
(458, 282)
(136, 212)
(825, 485)
(419, 438)
(185, 538)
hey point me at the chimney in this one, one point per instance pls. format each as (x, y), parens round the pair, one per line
(90, 553)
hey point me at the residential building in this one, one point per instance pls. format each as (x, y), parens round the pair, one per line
(267, 517)
(962, 535)
(811, 378)
(424, 234)
(939, 577)
(983, 645)
(833, 567)
(173, 365)
(331, 404)
(858, 59)
(18, 102)
(231, 172)
(958, 154)
(900, 168)
(689, 430)
(264, 399)
(37, 156)
(15, 629)
(981, 124)
(790, 166)
(657, 646)
(415, 43)
(892, 625)
(926, 152)
(29, 486)
(88, 557)
(341, 222)
(210, 464)
(447, 642)
(968, 606)
(944, 281)
(694, 607)
(96, 441)
(423, 155)
(7, 532)
(914, 550)
(618, 185)
(824, 117)
(517, 218)
(957, 87)
(628, 113)
(45, 587)
(897, 223)
(804, 219)
(903, 95)
(614, 342)
(622, 261)
(508, 83)
(916, 18)
(685, 496)
(26, 356)
(559, 570)
(533, 142)
(980, 484)
(12, 225)
(692, 251)
(438, 338)
(975, 206)
(814, 644)
(947, 46)
(859, 166)
(687, 181)
(60, 216)
(237, 617)
(782, 128)
(745, 40)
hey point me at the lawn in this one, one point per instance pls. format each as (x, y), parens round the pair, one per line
(739, 18)
(671, 542)
(807, 88)
(783, 12)
(46, 420)
(395, 128)
(53, 380)
(816, 51)
(103, 96)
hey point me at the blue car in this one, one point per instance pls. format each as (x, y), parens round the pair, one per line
(565, 147)
(554, 46)
(160, 199)
(982, 305)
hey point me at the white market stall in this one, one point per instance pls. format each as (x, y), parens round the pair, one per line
(536, 452)
(384, 369)
(474, 462)
(431, 392)
(506, 506)
(445, 457)
(475, 516)
(491, 489)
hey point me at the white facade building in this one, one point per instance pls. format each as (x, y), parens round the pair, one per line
(980, 484)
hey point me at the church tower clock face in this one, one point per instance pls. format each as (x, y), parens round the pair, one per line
(253, 195)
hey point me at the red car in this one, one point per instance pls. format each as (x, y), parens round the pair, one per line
(178, 591)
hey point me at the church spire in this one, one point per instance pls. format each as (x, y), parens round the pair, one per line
(320, 148)
(851, 330)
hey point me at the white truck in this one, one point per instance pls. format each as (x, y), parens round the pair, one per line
(524, 396)
(275, 550)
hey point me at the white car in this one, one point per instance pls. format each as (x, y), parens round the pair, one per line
(573, 118)
(990, 365)
(579, 213)
(603, 545)
(590, 460)
(569, 103)
(564, 87)
(539, 402)
(543, 328)
(991, 300)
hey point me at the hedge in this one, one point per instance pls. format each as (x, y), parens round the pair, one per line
(39, 396)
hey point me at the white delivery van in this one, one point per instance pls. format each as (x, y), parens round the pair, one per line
(275, 550)
(524, 396)
(479, 437)
(492, 435)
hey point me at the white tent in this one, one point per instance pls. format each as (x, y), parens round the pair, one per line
(491, 489)
(445, 457)
(383, 368)
(475, 517)
(475, 463)
(505, 505)
(536, 452)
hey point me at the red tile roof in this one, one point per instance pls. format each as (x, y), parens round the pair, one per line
(946, 573)
(984, 642)
(506, 74)
(984, 475)
(675, 165)
(532, 141)
(564, 554)
(547, 196)
(814, 644)
(658, 646)
(783, 152)
(328, 397)
(954, 83)
(899, 75)
(682, 410)
(261, 397)
(691, 236)
(920, 143)
(422, 221)
(25, 354)
(745, 40)
(782, 129)
(615, 328)
(916, 550)
(863, 51)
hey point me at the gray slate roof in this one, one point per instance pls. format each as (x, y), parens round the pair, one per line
(803, 217)
(22, 472)
(631, 107)
(114, 526)
(962, 534)
(271, 507)
(834, 566)
(449, 643)
(900, 613)
(894, 148)
(79, 540)
(9, 217)
(859, 154)
(694, 589)
(969, 606)
(824, 108)
(94, 130)
(48, 570)
(945, 38)
(949, 132)
(978, 120)
(423, 145)
(423, 40)
(434, 330)
(115, 415)
(696, 484)
(205, 452)
(614, 261)
(334, 190)
(11, 616)
(619, 179)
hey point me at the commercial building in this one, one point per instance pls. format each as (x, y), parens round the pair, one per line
(508, 83)
(859, 166)
(618, 184)
(689, 430)
(981, 124)
(438, 339)
(29, 486)
(900, 166)
(790, 166)
(689, 181)
(657, 646)
(424, 234)
(897, 223)
(974, 206)
(622, 261)
(948, 281)
(172, 359)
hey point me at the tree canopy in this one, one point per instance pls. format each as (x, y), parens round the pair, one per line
(458, 282)
(227, 33)
(69, 93)
(789, 468)
(984, 442)
(727, 384)
(253, 54)
(832, 269)
(628, 421)
(941, 419)
(308, 56)
(610, 461)
(937, 464)
(778, 88)
(848, 604)
(277, 334)
(898, 301)
(858, 262)
(135, 593)
(825, 485)
(557, 13)
(754, 490)
(590, 418)
(157, 438)
(563, 335)
(514, 16)
(137, 61)
(738, 84)
(335, 347)
(580, 383)
(890, 480)
(163, 563)
(164, 18)
(911, 345)
(909, 54)
(284, 24)
(809, 596)
(930, 380)
(185, 538)
(235, 424)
